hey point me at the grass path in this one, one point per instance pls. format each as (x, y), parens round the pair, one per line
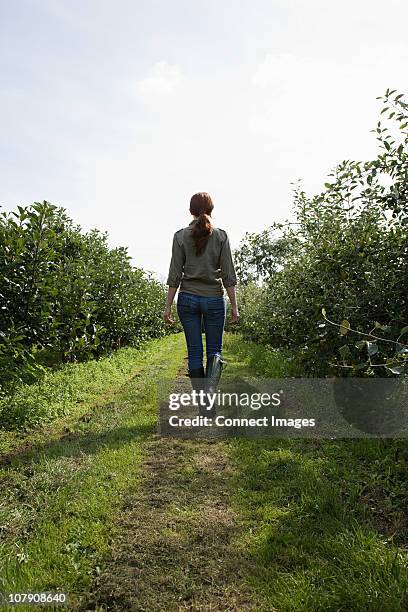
(101, 507)
(177, 542)
(61, 492)
(270, 525)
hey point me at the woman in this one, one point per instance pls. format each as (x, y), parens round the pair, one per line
(202, 266)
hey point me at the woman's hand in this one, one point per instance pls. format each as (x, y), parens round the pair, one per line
(167, 316)
(171, 292)
(234, 306)
(234, 315)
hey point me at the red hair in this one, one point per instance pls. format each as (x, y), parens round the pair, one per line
(201, 205)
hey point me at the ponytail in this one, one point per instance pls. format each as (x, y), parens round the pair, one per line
(201, 206)
(202, 229)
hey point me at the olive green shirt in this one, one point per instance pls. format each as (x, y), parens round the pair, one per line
(204, 274)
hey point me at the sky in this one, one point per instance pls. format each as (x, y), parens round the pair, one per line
(120, 111)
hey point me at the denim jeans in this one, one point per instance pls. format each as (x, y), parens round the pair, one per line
(200, 313)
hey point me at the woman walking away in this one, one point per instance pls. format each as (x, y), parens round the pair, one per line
(202, 266)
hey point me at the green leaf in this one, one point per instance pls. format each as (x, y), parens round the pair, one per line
(344, 328)
(380, 326)
(396, 369)
(372, 348)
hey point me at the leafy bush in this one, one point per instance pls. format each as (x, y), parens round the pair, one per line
(66, 296)
(339, 296)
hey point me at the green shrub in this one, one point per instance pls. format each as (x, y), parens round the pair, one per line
(66, 296)
(339, 296)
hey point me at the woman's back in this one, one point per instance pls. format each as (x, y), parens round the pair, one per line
(206, 273)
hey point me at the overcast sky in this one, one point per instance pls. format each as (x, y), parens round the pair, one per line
(121, 110)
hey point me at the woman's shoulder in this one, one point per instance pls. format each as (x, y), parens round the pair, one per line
(220, 233)
(217, 233)
(179, 233)
(183, 234)
(183, 229)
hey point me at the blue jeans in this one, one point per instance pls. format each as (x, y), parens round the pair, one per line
(200, 313)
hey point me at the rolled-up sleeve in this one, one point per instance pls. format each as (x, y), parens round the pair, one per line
(228, 275)
(176, 264)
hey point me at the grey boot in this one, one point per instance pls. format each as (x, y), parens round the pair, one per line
(213, 375)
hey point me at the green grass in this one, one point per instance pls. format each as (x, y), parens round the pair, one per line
(255, 359)
(63, 395)
(325, 521)
(64, 390)
(60, 494)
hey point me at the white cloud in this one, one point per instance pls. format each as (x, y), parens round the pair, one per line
(302, 104)
(162, 79)
(275, 69)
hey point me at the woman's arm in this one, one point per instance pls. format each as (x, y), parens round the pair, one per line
(174, 277)
(233, 299)
(229, 278)
(171, 292)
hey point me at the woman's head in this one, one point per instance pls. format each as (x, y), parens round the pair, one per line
(201, 203)
(201, 206)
